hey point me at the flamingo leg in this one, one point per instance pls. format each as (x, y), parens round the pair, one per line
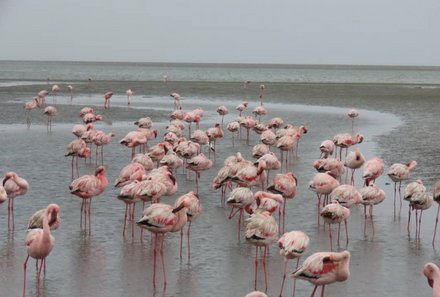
(409, 219)
(125, 219)
(24, 279)
(314, 290)
(154, 260)
(264, 268)
(162, 237)
(284, 277)
(39, 277)
(294, 280)
(132, 220)
(435, 228)
(188, 235)
(417, 222)
(181, 242)
(420, 221)
(256, 267)
(346, 232)
(330, 236)
(322, 290)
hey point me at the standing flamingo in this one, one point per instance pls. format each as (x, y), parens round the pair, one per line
(324, 268)
(432, 273)
(100, 139)
(261, 230)
(222, 110)
(77, 149)
(292, 246)
(420, 201)
(354, 160)
(14, 186)
(241, 107)
(50, 111)
(243, 199)
(28, 106)
(39, 243)
(246, 84)
(176, 98)
(161, 218)
(197, 164)
(87, 187)
(249, 123)
(334, 213)
(352, 114)
(322, 184)
(193, 211)
(36, 220)
(233, 127)
(55, 90)
(107, 97)
(332, 165)
(70, 90)
(371, 195)
(411, 188)
(373, 168)
(398, 173)
(346, 140)
(129, 195)
(327, 147)
(261, 93)
(346, 195)
(129, 93)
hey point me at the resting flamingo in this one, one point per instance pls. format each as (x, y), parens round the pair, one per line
(432, 274)
(197, 164)
(399, 172)
(324, 268)
(346, 195)
(77, 149)
(411, 189)
(39, 244)
(14, 186)
(241, 107)
(107, 97)
(327, 147)
(420, 201)
(233, 127)
(87, 187)
(371, 195)
(334, 213)
(261, 231)
(243, 199)
(346, 140)
(161, 218)
(36, 220)
(50, 111)
(292, 246)
(373, 168)
(222, 110)
(55, 90)
(354, 160)
(100, 139)
(323, 184)
(352, 114)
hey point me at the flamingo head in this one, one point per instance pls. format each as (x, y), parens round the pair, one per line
(100, 171)
(8, 176)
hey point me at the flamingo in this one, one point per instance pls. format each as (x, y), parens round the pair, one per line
(241, 107)
(107, 97)
(346, 140)
(323, 184)
(131, 172)
(399, 172)
(352, 114)
(91, 118)
(200, 137)
(129, 93)
(70, 90)
(86, 110)
(243, 199)
(171, 160)
(176, 98)
(28, 106)
(420, 201)
(14, 186)
(432, 274)
(436, 197)
(332, 165)
(100, 139)
(192, 212)
(261, 93)
(292, 246)
(354, 160)
(272, 163)
(233, 127)
(222, 110)
(128, 195)
(144, 122)
(268, 137)
(246, 84)
(324, 268)
(411, 188)
(77, 149)
(373, 168)
(55, 90)
(346, 195)
(261, 230)
(161, 218)
(36, 220)
(249, 123)
(327, 147)
(87, 187)
(50, 111)
(133, 139)
(260, 150)
(285, 144)
(78, 130)
(214, 134)
(260, 128)
(197, 164)
(371, 195)
(334, 213)
(259, 111)
(39, 244)
(3, 194)
(275, 123)
(249, 174)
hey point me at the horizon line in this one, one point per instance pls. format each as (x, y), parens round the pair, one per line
(233, 64)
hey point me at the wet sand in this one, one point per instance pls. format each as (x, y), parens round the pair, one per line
(400, 123)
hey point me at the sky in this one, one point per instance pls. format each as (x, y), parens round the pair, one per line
(374, 32)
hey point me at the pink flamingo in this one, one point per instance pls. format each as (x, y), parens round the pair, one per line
(161, 218)
(249, 123)
(371, 195)
(346, 195)
(86, 110)
(275, 123)
(233, 127)
(292, 246)
(398, 173)
(411, 188)
(260, 150)
(346, 140)
(39, 243)
(176, 98)
(420, 201)
(128, 195)
(77, 149)
(261, 230)
(28, 106)
(332, 165)
(259, 111)
(107, 97)
(286, 144)
(78, 130)
(70, 90)
(261, 93)
(246, 84)
(242, 199)
(373, 168)
(197, 164)
(14, 186)
(268, 137)
(251, 174)
(91, 118)
(3, 194)
(100, 139)
(171, 160)
(129, 93)
(268, 201)
(324, 268)
(50, 111)
(55, 90)
(132, 140)
(323, 184)
(214, 134)
(436, 197)
(193, 210)
(352, 114)
(272, 163)
(131, 172)
(334, 213)
(327, 147)
(87, 187)
(354, 160)
(241, 107)
(200, 137)
(36, 220)
(432, 274)
(260, 128)
(286, 185)
(222, 110)
(144, 122)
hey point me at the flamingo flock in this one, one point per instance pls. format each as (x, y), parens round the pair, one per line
(152, 174)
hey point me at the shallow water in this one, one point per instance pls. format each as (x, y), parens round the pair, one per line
(104, 263)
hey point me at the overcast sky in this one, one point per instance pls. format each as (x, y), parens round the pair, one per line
(398, 32)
